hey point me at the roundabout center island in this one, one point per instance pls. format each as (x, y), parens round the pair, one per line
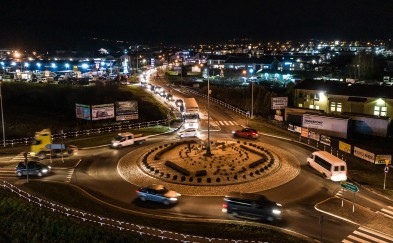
(233, 165)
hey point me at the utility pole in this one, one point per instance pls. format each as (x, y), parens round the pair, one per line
(2, 116)
(252, 100)
(27, 166)
(208, 151)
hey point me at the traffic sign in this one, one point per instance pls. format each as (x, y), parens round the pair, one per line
(55, 146)
(349, 186)
(386, 169)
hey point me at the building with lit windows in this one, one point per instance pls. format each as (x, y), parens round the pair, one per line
(345, 99)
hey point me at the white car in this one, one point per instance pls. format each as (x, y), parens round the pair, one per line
(189, 132)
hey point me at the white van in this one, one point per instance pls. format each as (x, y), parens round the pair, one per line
(328, 165)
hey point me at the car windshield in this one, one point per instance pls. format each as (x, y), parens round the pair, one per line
(119, 138)
(162, 191)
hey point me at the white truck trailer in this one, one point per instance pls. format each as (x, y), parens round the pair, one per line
(191, 113)
(328, 125)
(127, 139)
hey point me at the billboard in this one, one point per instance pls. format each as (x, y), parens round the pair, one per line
(83, 111)
(325, 140)
(279, 103)
(364, 154)
(104, 111)
(330, 126)
(383, 159)
(344, 147)
(126, 110)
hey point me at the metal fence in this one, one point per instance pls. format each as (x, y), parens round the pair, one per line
(88, 132)
(229, 107)
(160, 234)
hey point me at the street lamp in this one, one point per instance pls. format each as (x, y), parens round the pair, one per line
(252, 94)
(208, 151)
(2, 116)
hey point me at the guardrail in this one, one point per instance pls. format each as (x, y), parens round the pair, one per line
(235, 109)
(88, 132)
(160, 234)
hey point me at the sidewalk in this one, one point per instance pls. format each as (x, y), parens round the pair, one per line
(356, 214)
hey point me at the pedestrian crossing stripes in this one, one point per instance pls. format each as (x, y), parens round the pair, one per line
(387, 212)
(364, 235)
(69, 175)
(21, 158)
(226, 123)
(339, 193)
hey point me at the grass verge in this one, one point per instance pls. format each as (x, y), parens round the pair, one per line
(76, 199)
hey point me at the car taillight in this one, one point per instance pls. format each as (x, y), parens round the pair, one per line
(137, 190)
(225, 205)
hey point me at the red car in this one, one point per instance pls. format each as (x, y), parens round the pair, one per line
(246, 133)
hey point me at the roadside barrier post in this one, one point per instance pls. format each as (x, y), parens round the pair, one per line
(27, 169)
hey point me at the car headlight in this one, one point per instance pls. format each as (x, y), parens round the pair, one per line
(115, 144)
(173, 199)
(49, 167)
(276, 211)
(233, 132)
(44, 170)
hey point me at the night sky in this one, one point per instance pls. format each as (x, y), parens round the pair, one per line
(55, 22)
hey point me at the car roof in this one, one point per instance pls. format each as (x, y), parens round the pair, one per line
(189, 129)
(156, 187)
(247, 196)
(249, 129)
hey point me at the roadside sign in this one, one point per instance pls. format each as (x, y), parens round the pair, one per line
(386, 169)
(349, 186)
(55, 146)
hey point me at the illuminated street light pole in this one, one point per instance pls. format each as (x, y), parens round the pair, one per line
(208, 151)
(252, 95)
(2, 115)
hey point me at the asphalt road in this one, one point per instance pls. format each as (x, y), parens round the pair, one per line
(95, 170)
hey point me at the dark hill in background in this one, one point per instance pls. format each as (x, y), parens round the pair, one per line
(32, 107)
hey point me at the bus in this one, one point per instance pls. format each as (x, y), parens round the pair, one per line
(328, 165)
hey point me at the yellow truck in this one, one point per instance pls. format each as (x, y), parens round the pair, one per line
(42, 146)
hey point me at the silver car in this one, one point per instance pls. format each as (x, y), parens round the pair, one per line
(189, 132)
(158, 193)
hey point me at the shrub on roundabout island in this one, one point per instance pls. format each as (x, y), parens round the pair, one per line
(177, 168)
(172, 146)
(200, 173)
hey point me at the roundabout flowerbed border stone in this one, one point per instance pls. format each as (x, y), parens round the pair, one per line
(132, 169)
(177, 174)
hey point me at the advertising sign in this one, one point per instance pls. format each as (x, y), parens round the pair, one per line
(304, 132)
(294, 128)
(278, 118)
(344, 147)
(325, 140)
(126, 110)
(332, 126)
(381, 159)
(104, 111)
(279, 103)
(83, 111)
(314, 136)
(364, 154)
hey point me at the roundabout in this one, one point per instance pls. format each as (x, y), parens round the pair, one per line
(245, 166)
